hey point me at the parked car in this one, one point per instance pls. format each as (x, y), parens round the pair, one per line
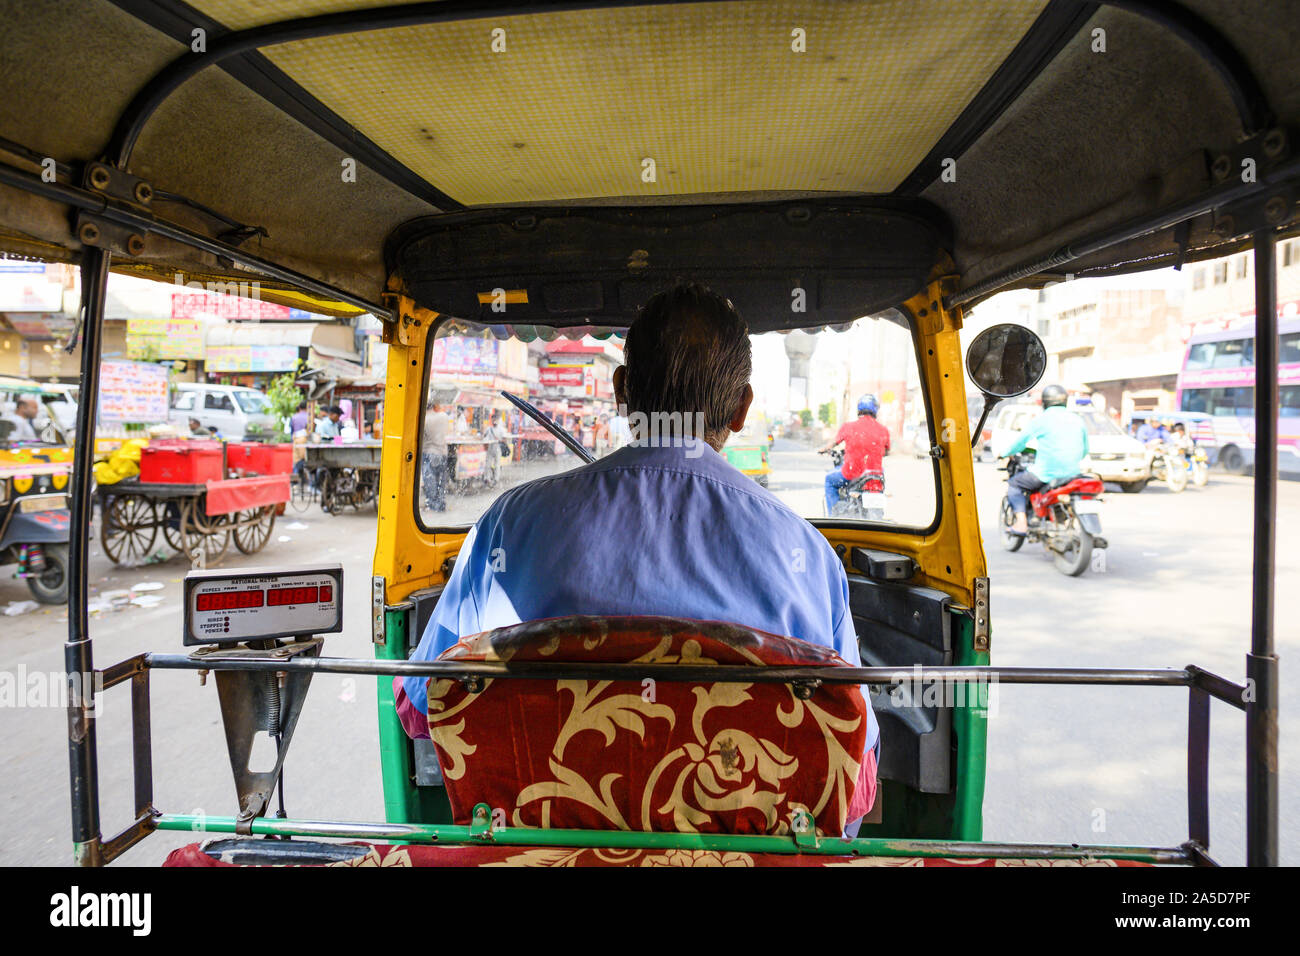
(1112, 455)
(236, 412)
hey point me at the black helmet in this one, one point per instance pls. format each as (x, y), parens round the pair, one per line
(1054, 395)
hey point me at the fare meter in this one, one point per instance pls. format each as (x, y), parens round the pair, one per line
(254, 604)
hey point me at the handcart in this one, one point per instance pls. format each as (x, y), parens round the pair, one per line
(344, 474)
(198, 520)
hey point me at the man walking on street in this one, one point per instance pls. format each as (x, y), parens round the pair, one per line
(434, 461)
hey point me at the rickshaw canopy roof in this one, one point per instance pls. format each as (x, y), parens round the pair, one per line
(793, 140)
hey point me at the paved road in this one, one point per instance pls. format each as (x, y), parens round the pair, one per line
(1062, 761)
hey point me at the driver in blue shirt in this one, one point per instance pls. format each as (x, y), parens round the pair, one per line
(1060, 442)
(663, 526)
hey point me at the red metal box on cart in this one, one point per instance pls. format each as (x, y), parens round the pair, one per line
(260, 458)
(181, 462)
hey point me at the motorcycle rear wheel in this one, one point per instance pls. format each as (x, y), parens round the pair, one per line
(1175, 474)
(51, 585)
(1012, 542)
(1074, 560)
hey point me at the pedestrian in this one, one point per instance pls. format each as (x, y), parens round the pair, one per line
(434, 458)
(494, 435)
(299, 419)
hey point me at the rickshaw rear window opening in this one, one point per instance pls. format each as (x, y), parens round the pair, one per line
(808, 385)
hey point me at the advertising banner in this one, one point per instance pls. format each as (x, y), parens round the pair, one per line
(132, 392)
(563, 375)
(455, 354)
(251, 358)
(155, 339)
(215, 305)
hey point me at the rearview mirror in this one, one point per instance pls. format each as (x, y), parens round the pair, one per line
(1006, 360)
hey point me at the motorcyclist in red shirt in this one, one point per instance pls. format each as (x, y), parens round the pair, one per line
(866, 442)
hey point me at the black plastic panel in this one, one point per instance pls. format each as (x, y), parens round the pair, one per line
(599, 264)
(424, 759)
(901, 625)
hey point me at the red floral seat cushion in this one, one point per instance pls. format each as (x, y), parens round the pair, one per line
(647, 755)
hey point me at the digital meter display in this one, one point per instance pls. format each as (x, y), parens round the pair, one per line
(227, 607)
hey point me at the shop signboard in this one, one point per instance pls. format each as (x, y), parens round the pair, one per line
(157, 339)
(460, 355)
(562, 375)
(194, 304)
(251, 358)
(132, 392)
(29, 287)
(470, 460)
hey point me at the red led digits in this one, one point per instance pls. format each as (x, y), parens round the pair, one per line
(256, 597)
(278, 597)
(229, 600)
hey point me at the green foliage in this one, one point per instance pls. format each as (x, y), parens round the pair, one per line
(284, 397)
(826, 412)
(806, 417)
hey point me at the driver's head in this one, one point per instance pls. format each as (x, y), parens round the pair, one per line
(27, 407)
(688, 354)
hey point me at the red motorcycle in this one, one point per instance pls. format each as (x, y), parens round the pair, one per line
(1064, 516)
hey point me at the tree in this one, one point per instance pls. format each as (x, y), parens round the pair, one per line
(806, 417)
(826, 412)
(284, 397)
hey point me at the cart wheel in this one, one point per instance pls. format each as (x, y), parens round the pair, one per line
(170, 514)
(204, 548)
(302, 495)
(129, 526)
(253, 529)
(330, 501)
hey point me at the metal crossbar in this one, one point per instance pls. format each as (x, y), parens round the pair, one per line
(1201, 684)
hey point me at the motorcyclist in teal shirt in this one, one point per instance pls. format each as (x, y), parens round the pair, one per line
(1061, 443)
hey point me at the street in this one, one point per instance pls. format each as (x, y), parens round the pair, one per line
(1103, 765)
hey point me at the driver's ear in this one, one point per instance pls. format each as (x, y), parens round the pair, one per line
(620, 379)
(742, 410)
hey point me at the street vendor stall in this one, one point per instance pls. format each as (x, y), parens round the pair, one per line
(467, 449)
(346, 473)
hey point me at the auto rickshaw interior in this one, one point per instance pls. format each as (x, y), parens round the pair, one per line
(520, 173)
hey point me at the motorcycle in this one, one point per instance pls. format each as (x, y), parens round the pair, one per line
(863, 497)
(1064, 516)
(1170, 465)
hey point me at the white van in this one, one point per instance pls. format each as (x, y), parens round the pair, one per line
(236, 412)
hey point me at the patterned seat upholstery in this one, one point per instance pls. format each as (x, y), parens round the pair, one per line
(646, 755)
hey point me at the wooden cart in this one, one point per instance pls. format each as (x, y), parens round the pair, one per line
(197, 520)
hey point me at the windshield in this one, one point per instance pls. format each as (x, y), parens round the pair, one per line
(252, 402)
(806, 389)
(1098, 424)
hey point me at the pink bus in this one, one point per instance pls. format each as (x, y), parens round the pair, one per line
(1218, 378)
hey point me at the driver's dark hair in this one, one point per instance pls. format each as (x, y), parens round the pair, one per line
(688, 351)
